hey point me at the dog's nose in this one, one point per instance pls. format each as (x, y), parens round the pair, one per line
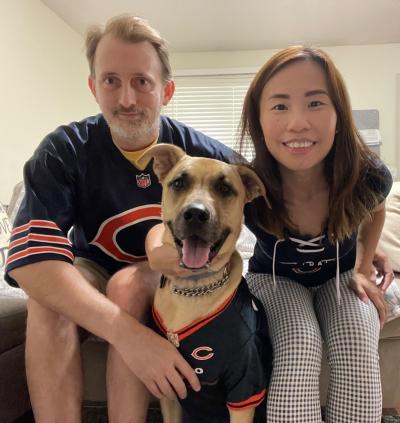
(196, 213)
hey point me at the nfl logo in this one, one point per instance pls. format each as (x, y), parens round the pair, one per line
(143, 181)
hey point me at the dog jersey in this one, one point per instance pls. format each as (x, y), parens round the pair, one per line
(310, 261)
(230, 352)
(84, 198)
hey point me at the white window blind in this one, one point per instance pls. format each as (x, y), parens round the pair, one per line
(211, 104)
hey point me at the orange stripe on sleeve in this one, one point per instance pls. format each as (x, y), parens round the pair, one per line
(35, 223)
(39, 250)
(39, 238)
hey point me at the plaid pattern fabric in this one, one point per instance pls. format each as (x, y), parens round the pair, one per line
(300, 319)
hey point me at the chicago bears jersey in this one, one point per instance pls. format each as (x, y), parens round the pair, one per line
(309, 260)
(231, 354)
(84, 198)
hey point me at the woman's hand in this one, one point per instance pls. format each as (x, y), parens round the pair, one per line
(384, 269)
(367, 290)
(367, 240)
(163, 258)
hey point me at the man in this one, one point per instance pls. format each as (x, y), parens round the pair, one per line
(83, 176)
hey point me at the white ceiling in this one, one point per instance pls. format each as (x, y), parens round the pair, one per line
(209, 25)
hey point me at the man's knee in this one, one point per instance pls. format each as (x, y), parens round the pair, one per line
(45, 323)
(133, 288)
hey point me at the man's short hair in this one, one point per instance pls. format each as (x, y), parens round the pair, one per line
(131, 29)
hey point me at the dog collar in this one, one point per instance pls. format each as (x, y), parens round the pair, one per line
(204, 289)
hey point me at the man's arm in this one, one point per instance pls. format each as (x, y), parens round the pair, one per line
(60, 287)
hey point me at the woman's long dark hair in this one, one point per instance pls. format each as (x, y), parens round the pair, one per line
(350, 199)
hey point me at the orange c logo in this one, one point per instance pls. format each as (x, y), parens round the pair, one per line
(200, 353)
(106, 237)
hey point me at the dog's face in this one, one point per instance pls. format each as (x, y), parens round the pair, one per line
(202, 203)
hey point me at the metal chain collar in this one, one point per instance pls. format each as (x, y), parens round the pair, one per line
(205, 289)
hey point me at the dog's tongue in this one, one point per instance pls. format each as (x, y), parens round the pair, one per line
(195, 252)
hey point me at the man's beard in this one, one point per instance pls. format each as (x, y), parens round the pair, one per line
(136, 129)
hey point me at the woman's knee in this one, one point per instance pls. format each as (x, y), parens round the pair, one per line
(296, 363)
(353, 343)
(301, 346)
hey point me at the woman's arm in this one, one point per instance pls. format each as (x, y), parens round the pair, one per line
(163, 258)
(368, 237)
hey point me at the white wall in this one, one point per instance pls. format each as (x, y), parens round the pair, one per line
(43, 77)
(44, 73)
(370, 74)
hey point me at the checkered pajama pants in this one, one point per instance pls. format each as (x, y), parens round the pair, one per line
(299, 319)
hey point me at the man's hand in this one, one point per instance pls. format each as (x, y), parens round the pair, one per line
(154, 360)
(383, 269)
(157, 363)
(368, 290)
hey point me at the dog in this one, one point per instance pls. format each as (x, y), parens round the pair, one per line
(210, 316)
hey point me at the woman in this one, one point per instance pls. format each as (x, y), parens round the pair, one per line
(316, 243)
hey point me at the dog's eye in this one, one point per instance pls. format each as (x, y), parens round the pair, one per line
(178, 183)
(224, 189)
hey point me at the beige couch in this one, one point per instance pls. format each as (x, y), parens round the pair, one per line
(94, 350)
(389, 346)
(14, 398)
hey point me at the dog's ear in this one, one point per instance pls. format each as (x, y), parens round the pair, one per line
(165, 157)
(253, 184)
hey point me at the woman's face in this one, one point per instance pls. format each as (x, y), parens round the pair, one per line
(297, 117)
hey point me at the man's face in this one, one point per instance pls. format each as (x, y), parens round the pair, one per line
(129, 89)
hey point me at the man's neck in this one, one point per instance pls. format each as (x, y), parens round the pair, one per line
(129, 144)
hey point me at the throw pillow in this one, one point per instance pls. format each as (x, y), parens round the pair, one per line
(16, 199)
(245, 246)
(5, 233)
(392, 297)
(390, 238)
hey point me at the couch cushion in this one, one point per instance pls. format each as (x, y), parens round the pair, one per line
(14, 396)
(392, 298)
(16, 199)
(5, 233)
(390, 238)
(12, 321)
(391, 330)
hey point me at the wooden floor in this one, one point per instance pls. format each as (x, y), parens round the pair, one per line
(99, 416)
(155, 417)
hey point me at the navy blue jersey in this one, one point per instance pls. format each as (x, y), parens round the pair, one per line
(230, 352)
(84, 198)
(310, 261)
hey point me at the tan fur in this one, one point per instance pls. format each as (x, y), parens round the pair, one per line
(177, 311)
